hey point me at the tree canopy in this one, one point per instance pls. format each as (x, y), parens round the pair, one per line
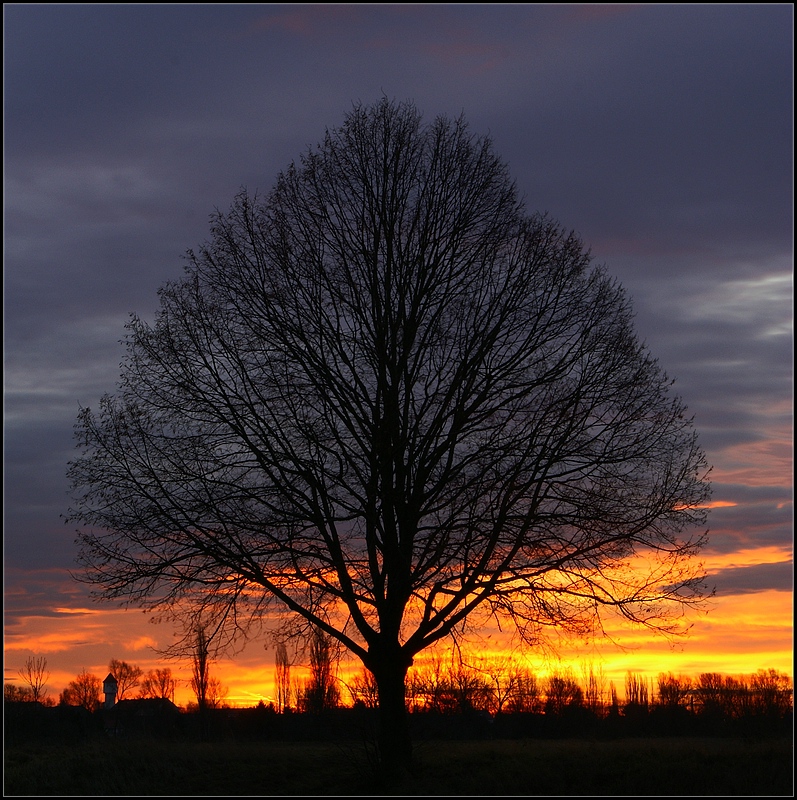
(388, 400)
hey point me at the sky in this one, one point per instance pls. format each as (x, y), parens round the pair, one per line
(661, 134)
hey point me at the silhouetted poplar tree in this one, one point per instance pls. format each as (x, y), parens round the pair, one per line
(282, 678)
(321, 691)
(200, 667)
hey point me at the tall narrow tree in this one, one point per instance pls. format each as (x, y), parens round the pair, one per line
(200, 666)
(321, 691)
(282, 678)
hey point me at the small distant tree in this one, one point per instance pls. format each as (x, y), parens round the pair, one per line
(282, 678)
(595, 691)
(614, 702)
(429, 686)
(636, 691)
(208, 689)
(35, 674)
(709, 691)
(127, 677)
(85, 690)
(17, 694)
(215, 693)
(773, 693)
(673, 690)
(200, 666)
(363, 689)
(526, 695)
(562, 692)
(500, 677)
(296, 692)
(321, 691)
(737, 697)
(470, 689)
(158, 683)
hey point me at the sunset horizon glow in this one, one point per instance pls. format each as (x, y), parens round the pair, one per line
(732, 636)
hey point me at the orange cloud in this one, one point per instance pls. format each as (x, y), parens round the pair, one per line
(747, 557)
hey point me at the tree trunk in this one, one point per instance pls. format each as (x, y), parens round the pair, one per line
(394, 742)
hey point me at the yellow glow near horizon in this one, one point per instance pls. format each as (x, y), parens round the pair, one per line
(737, 635)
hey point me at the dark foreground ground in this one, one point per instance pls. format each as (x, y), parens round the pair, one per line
(641, 766)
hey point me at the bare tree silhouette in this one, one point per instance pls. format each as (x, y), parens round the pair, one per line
(391, 403)
(85, 691)
(35, 674)
(321, 690)
(200, 666)
(282, 678)
(127, 676)
(158, 683)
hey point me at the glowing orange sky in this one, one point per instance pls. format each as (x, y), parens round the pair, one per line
(737, 634)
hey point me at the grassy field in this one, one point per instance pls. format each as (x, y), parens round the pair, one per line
(706, 766)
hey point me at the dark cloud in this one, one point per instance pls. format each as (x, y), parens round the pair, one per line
(746, 580)
(762, 525)
(44, 593)
(662, 134)
(765, 524)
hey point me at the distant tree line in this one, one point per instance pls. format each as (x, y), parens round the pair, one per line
(448, 685)
(502, 687)
(451, 684)
(86, 690)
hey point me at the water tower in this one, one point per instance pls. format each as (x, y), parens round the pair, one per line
(109, 686)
